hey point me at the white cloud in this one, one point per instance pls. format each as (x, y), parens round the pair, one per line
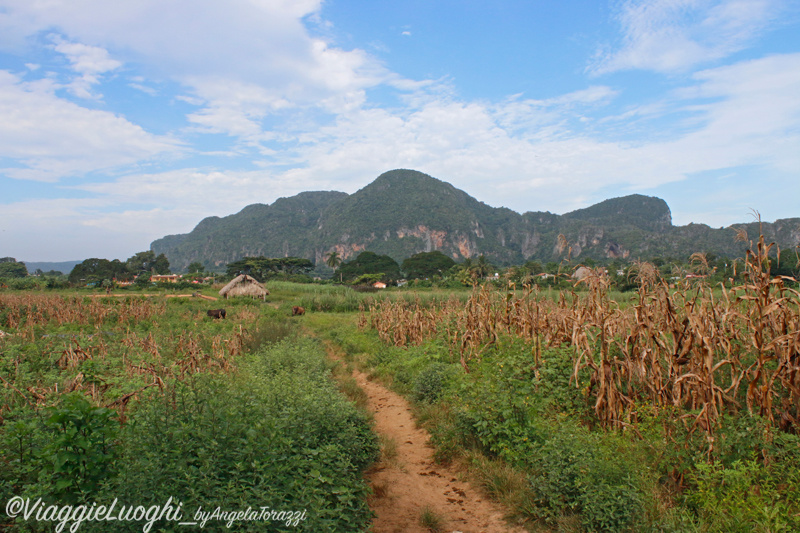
(234, 108)
(205, 44)
(676, 35)
(88, 61)
(198, 190)
(52, 138)
(754, 118)
(527, 154)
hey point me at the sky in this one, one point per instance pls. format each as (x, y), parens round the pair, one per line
(122, 122)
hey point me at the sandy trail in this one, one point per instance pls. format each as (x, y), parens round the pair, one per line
(412, 481)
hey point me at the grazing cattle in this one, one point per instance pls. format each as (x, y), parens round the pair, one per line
(297, 310)
(216, 313)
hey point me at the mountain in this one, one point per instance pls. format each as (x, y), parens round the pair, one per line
(285, 228)
(404, 212)
(65, 267)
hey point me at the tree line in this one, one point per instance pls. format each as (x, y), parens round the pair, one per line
(140, 266)
(421, 269)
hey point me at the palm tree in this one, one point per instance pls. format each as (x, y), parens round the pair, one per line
(334, 260)
(482, 267)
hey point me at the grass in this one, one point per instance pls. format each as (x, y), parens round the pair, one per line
(349, 387)
(431, 520)
(380, 490)
(388, 448)
(342, 298)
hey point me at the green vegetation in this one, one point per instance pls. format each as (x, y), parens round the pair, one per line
(143, 399)
(95, 270)
(148, 262)
(427, 265)
(263, 268)
(405, 212)
(11, 268)
(431, 520)
(381, 267)
(98, 271)
(285, 228)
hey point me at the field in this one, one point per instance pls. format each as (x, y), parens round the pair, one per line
(672, 408)
(675, 410)
(144, 399)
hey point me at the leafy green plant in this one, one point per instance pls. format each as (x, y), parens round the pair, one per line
(82, 452)
(276, 434)
(430, 384)
(577, 473)
(742, 497)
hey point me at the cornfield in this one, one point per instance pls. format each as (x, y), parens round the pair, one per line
(698, 350)
(104, 357)
(30, 310)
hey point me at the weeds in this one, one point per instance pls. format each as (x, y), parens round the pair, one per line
(143, 399)
(431, 520)
(674, 411)
(679, 347)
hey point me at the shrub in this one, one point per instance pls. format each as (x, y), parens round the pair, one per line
(82, 452)
(276, 435)
(742, 497)
(430, 383)
(577, 473)
(66, 456)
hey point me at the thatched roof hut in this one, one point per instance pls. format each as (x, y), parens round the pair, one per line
(244, 285)
(581, 273)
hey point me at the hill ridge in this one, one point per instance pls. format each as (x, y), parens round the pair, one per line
(405, 211)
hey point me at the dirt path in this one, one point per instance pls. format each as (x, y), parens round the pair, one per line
(410, 482)
(113, 295)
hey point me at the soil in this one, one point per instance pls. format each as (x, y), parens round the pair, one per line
(411, 481)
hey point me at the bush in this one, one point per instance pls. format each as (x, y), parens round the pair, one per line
(754, 483)
(81, 453)
(529, 416)
(430, 383)
(577, 473)
(277, 435)
(67, 456)
(742, 497)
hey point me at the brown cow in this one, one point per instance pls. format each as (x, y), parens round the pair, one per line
(216, 313)
(297, 310)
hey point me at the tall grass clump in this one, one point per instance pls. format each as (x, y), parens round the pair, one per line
(340, 300)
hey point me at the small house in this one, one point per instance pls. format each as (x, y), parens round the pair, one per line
(168, 278)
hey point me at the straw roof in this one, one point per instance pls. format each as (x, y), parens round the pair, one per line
(244, 285)
(581, 273)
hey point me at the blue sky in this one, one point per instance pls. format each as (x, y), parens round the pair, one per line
(122, 122)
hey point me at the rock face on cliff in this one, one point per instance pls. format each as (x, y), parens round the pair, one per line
(404, 212)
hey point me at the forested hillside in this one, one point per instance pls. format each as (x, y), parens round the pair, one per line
(404, 212)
